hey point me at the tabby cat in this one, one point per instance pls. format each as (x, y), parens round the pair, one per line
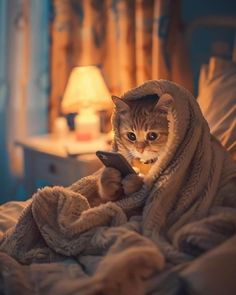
(143, 132)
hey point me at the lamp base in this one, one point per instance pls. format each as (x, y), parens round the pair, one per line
(87, 125)
(83, 136)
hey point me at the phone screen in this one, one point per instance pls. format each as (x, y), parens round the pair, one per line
(117, 161)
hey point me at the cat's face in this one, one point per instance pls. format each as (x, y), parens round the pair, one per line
(143, 128)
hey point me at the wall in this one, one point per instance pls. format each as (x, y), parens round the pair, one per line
(206, 42)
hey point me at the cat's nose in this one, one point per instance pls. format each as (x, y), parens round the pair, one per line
(140, 147)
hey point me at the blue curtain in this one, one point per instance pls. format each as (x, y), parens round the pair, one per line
(38, 89)
(4, 173)
(24, 85)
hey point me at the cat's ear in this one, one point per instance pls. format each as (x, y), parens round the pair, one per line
(164, 103)
(120, 104)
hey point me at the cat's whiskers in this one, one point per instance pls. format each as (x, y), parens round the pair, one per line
(129, 156)
(145, 156)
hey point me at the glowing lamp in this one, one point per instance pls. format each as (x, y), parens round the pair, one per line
(86, 93)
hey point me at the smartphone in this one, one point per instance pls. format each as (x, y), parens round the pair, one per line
(117, 161)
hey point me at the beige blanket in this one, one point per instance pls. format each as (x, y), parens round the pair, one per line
(188, 207)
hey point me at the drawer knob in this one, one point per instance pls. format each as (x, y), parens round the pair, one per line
(52, 169)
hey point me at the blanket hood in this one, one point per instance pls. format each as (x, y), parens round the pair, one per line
(183, 112)
(185, 181)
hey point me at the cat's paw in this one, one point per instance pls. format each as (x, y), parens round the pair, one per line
(132, 183)
(110, 187)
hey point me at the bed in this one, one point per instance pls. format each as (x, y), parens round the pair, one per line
(193, 271)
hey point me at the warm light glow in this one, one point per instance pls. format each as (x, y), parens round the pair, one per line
(87, 124)
(86, 88)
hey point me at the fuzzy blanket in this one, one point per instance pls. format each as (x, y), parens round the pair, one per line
(188, 207)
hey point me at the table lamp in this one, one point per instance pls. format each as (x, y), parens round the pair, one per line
(86, 93)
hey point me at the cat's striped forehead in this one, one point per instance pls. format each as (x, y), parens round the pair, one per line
(143, 114)
(143, 120)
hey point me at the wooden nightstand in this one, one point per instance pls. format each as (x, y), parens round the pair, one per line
(46, 158)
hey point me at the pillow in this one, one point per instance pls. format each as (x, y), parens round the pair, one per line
(217, 100)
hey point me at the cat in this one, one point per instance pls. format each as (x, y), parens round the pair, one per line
(142, 137)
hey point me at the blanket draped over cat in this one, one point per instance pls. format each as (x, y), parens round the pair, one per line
(188, 206)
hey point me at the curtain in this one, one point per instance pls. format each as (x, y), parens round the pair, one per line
(18, 54)
(27, 74)
(130, 40)
(24, 84)
(4, 172)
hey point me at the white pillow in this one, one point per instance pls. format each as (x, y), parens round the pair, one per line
(217, 100)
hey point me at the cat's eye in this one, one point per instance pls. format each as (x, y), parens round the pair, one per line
(131, 136)
(152, 136)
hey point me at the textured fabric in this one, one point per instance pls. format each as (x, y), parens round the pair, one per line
(188, 208)
(205, 275)
(9, 214)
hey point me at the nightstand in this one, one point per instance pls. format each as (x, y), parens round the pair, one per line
(46, 158)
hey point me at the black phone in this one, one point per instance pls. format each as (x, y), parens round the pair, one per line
(117, 161)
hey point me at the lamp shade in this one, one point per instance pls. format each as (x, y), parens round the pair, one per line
(86, 89)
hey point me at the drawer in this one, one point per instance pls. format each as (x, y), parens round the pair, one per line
(55, 170)
(62, 171)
